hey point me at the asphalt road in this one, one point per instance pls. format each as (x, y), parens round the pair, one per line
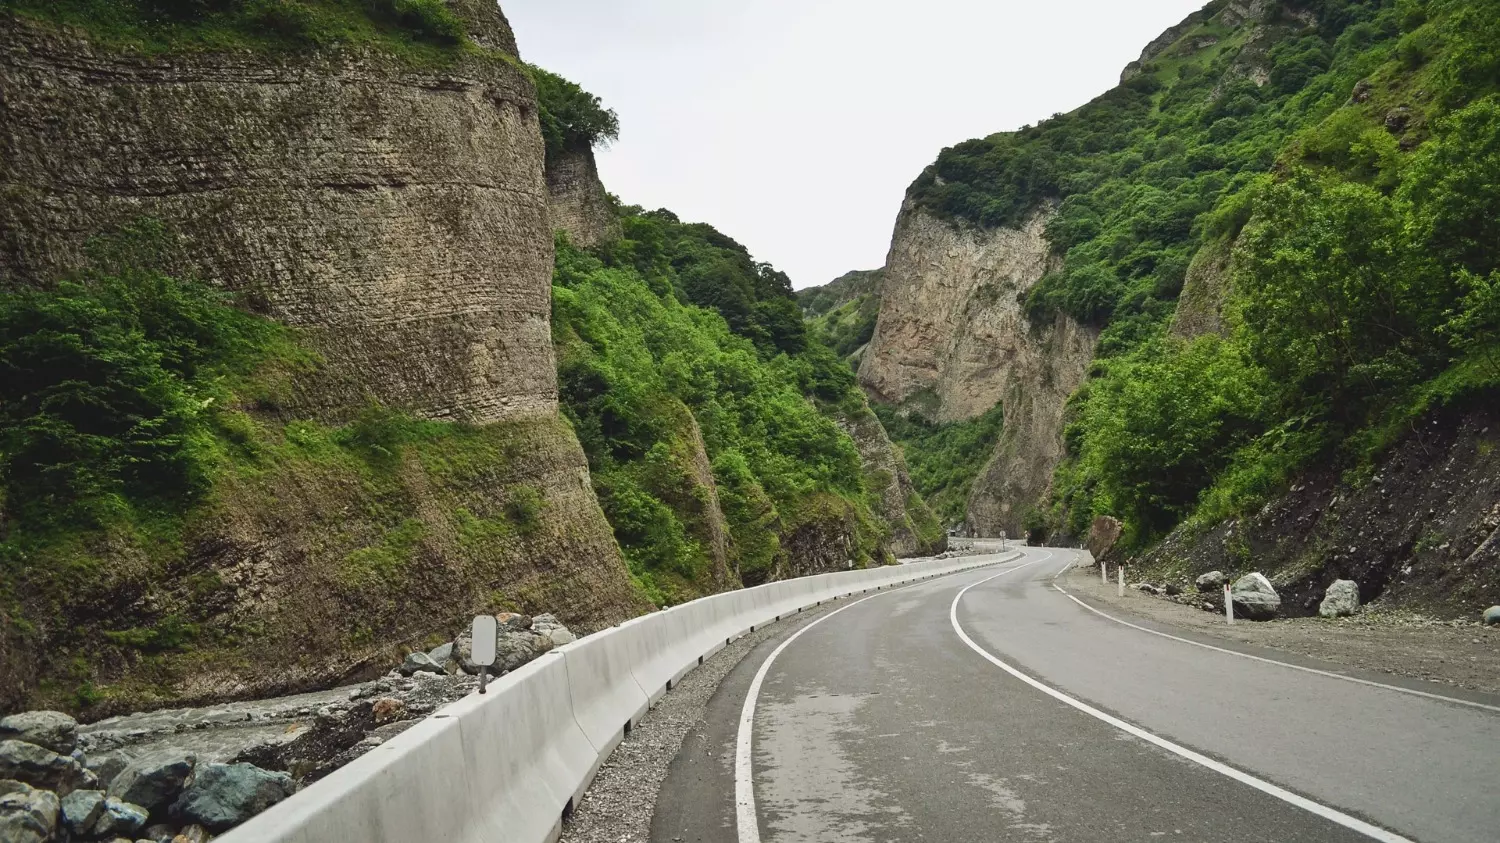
(883, 721)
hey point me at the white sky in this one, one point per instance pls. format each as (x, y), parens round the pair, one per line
(795, 126)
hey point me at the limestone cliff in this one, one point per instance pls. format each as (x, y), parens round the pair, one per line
(953, 340)
(577, 203)
(396, 216)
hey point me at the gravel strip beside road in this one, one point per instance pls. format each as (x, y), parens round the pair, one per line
(1466, 656)
(619, 804)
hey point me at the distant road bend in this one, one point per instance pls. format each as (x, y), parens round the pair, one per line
(992, 706)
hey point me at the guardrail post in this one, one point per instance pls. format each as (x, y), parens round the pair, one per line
(1228, 604)
(1122, 580)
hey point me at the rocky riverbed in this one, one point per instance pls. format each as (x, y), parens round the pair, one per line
(184, 775)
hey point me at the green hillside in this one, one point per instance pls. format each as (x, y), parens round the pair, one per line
(1344, 156)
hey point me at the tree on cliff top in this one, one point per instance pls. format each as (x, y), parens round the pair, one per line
(573, 120)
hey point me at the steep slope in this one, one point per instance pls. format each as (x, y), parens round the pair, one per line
(1276, 227)
(400, 468)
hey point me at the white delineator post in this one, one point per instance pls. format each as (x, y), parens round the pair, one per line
(1228, 605)
(1122, 580)
(1103, 572)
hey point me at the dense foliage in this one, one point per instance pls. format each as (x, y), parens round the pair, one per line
(573, 120)
(1363, 270)
(643, 373)
(704, 267)
(420, 30)
(110, 385)
(842, 313)
(944, 457)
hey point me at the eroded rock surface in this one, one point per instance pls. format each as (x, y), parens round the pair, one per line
(953, 340)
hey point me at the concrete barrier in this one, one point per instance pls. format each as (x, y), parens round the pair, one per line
(507, 765)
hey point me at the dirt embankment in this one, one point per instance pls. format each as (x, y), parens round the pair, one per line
(1420, 533)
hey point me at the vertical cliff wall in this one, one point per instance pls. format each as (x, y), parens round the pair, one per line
(953, 340)
(397, 217)
(576, 200)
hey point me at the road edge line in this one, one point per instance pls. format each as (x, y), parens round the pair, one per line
(1331, 814)
(747, 822)
(1328, 673)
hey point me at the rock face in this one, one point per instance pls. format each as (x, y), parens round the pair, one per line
(398, 218)
(915, 530)
(1255, 598)
(1200, 306)
(1341, 601)
(577, 202)
(1103, 533)
(953, 340)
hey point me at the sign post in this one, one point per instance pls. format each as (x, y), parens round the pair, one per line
(1228, 604)
(1002, 541)
(482, 639)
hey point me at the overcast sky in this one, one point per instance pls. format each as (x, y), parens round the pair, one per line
(795, 126)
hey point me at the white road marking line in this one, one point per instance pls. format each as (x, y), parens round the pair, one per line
(1330, 674)
(1331, 814)
(744, 782)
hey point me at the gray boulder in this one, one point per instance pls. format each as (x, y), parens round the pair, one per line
(1213, 581)
(1492, 616)
(119, 819)
(1341, 599)
(420, 663)
(551, 627)
(153, 781)
(51, 729)
(106, 765)
(81, 809)
(41, 767)
(1255, 598)
(1172, 589)
(27, 814)
(224, 795)
(512, 650)
(441, 655)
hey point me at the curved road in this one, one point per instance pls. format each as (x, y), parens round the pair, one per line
(990, 706)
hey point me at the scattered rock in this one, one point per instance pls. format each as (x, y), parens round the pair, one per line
(387, 709)
(515, 649)
(420, 663)
(224, 795)
(81, 810)
(441, 655)
(119, 819)
(1341, 601)
(1255, 598)
(41, 767)
(1213, 581)
(1492, 616)
(551, 627)
(512, 622)
(192, 834)
(52, 729)
(1146, 588)
(153, 781)
(27, 814)
(1397, 119)
(1172, 589)
(1361, 91)
(106, 765)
